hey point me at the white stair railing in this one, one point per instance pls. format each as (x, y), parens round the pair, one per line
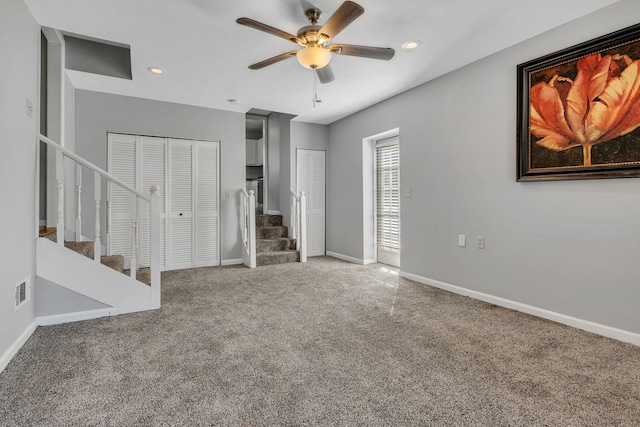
(248, 227)
(99, 174)
(299, 223)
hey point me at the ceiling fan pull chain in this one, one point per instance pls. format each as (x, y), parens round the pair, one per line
(315, 87)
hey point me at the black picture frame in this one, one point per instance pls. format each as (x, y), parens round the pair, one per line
(577, 111)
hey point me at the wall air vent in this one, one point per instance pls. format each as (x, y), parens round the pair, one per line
(22, 292)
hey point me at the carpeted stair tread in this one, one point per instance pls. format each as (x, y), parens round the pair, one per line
(272, 232)
(268, 220)
(273, 245)
(113, 261)
(142, 275)
(278, 257)
(83, 248)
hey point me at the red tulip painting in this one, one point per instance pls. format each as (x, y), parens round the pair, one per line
(580, 114)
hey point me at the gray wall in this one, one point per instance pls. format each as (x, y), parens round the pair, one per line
(19, 45)
(273, 162)
(99, 113)
(570, 247)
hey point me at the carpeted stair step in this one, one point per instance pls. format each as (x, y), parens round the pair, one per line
(272, 232)
(273, 245)
(280, 257)
(113, 261)
(83, 248)
(142, 275)
(86, 248)
(268, 220)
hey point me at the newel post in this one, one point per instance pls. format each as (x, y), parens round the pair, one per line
(252, 230)
(154, 242)
(303, 227)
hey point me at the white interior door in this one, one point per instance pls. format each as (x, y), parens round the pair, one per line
(121, 163)
(311, 179)
(180, 193)
(207, 190)
(153, 172)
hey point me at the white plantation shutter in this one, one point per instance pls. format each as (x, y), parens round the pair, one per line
(122, 165)
(311, 180)
(388, 195)
(153, 173)
(180, 204)
(206, 204)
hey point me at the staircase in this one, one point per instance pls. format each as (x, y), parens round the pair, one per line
(78, 265)
(115, 262)
(265, 240)
(273, 246)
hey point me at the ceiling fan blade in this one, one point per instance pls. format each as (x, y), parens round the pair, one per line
(342, 17)
(273, 60)
(269, 29)
(384, 53)
(325, 75)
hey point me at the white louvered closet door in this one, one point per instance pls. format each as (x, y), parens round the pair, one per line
(206, 229)
(153, 172)
(122, 156)
(311, 180)
(180, 222)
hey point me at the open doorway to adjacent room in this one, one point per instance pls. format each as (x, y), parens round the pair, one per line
(256, 159)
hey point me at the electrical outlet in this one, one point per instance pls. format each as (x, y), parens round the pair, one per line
(406, 192)
(480, 242)
(227, 194)
(29, 108)
(462, 240)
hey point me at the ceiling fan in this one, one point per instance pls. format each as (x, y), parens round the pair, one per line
(315, 41)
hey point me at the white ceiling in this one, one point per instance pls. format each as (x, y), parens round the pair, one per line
(205, 54)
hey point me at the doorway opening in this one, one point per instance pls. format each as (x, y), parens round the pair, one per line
(256, 159)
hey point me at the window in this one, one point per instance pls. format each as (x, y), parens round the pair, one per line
(388, 194)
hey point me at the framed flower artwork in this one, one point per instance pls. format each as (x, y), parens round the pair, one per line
(579, 111)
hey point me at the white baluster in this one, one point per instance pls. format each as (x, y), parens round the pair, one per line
(60, 181)
(303, 227)
(97, 195)
(78, 203)
(154, 250)
(108, 218)
(134, 236)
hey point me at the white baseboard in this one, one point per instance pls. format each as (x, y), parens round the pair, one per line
(585, 325)
(231, 262)
(17, 345)
(58, 319)
(369, 261)
(273, 212)
(349, 258)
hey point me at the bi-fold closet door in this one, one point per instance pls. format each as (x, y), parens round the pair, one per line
(187, 172)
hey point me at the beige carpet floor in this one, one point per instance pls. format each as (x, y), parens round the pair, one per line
(321, 343)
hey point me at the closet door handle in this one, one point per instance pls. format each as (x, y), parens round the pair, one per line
(180, 214)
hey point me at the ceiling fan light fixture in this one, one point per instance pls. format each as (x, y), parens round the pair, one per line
(314, 56)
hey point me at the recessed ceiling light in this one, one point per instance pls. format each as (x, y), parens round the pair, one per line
(232, 101)
(411, 44)
(155, 70)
